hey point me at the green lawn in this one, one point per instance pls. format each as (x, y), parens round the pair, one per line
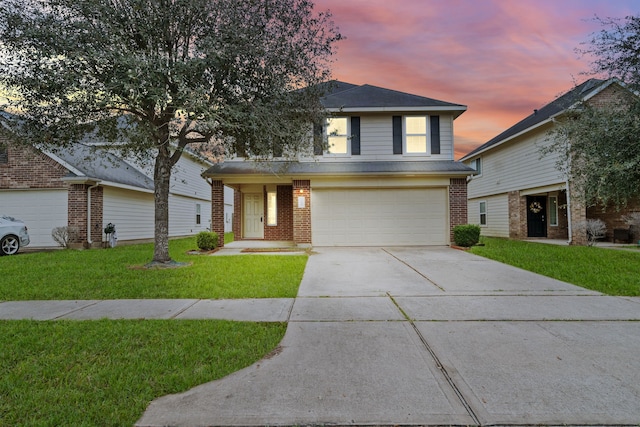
(117, 274)
(105, 372)
(613, 272)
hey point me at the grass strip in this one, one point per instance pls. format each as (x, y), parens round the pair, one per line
(610, 271)
(116, 274)
(106, 372)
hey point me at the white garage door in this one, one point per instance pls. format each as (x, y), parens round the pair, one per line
(374, 217)
(41, 211)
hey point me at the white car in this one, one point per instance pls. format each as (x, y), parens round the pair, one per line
(13, 235)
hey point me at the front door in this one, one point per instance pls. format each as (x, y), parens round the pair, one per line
(537, 216)
(253, 216)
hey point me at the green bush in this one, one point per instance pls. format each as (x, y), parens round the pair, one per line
(466, 235)
(207, 240)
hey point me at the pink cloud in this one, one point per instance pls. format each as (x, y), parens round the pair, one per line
(500, 58)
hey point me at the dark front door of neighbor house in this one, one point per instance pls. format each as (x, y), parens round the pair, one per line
(536, 216)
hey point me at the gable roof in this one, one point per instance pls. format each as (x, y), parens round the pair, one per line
(582, 92)
(86, 162)
(347, 97)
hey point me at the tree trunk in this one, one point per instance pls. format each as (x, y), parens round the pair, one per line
(162, 176)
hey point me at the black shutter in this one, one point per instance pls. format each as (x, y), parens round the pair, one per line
(355, 136)
(435, 134)
(397, 134)
(317, 139)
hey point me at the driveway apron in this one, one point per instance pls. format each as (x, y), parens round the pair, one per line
(431, 336)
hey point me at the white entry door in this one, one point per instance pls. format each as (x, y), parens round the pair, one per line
(253, 216)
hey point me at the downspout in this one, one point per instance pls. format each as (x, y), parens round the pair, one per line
(89, 241)
(569, 227)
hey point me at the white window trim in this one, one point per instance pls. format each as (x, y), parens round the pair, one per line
(272, 221)
(486, 215)
(348, 135)
(427, 134)
(198, 214)
(553, 196)
(474, 163)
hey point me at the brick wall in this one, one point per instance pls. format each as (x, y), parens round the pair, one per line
(302, 216)
(217, 210)
(283, 230)
(457, 203)
(613, 218)
(28, 168)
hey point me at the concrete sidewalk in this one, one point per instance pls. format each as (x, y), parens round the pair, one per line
(430, 336)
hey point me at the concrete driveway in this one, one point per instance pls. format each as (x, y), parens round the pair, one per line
(431, 336)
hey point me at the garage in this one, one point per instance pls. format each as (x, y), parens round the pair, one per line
(379, 217)
(40, 210)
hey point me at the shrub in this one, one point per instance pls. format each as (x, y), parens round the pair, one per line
(64, 235)
(207, 240)
(466, 235)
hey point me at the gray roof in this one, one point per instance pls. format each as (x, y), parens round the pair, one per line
(96, 163)
(546, 112)
(341, 95)
(440, 167)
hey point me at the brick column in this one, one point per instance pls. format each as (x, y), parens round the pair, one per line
(302, 213)
(77, 215)
(577, 214)
(515, 215)
(457, 204)
(217, 210)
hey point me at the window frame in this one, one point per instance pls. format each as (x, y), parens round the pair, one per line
(272, 208)
(553, 210)
(426, 134)
(477, 166)
(198, 214)
(347, 136)
(482, 203)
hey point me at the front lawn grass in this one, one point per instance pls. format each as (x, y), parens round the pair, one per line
(612, 272)
(105, 372)
(116, 273)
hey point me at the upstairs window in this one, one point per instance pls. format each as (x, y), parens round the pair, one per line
(338, 136)
(415, 135)
(477, 165)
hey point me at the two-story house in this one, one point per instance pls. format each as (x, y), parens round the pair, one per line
(386, 176)
(518, 193)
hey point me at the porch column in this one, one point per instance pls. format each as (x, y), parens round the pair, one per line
(577, 214)
(457, 204)
(217, 210)
(302, 212)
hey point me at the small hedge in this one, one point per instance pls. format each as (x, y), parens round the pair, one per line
(466, 235)
(207, 240)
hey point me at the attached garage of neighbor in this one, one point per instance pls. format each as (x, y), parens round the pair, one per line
(379, 217)
(40, 210)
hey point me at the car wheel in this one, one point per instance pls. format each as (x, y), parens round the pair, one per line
(9, 245)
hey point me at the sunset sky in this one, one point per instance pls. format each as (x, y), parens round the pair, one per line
(500, 58)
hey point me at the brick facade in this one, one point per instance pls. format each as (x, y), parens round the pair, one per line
(302, 215)
(237, 215)
(77, 215)
(217, 210)
(614, 219)
(28, 168)
(457, 204)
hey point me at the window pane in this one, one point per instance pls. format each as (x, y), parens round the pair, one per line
(553, 210)
(272, 209)
(416, 125)
(483, 213)
(417, 144)
(337, 126)
(338, 145)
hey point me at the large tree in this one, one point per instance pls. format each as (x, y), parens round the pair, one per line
(160, 76)
(599, 145)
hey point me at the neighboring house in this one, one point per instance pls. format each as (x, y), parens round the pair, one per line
(65, 187)
(388, 177)
(518, 193)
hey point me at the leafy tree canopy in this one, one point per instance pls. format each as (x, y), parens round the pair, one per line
(599, 144)
(162, 75)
